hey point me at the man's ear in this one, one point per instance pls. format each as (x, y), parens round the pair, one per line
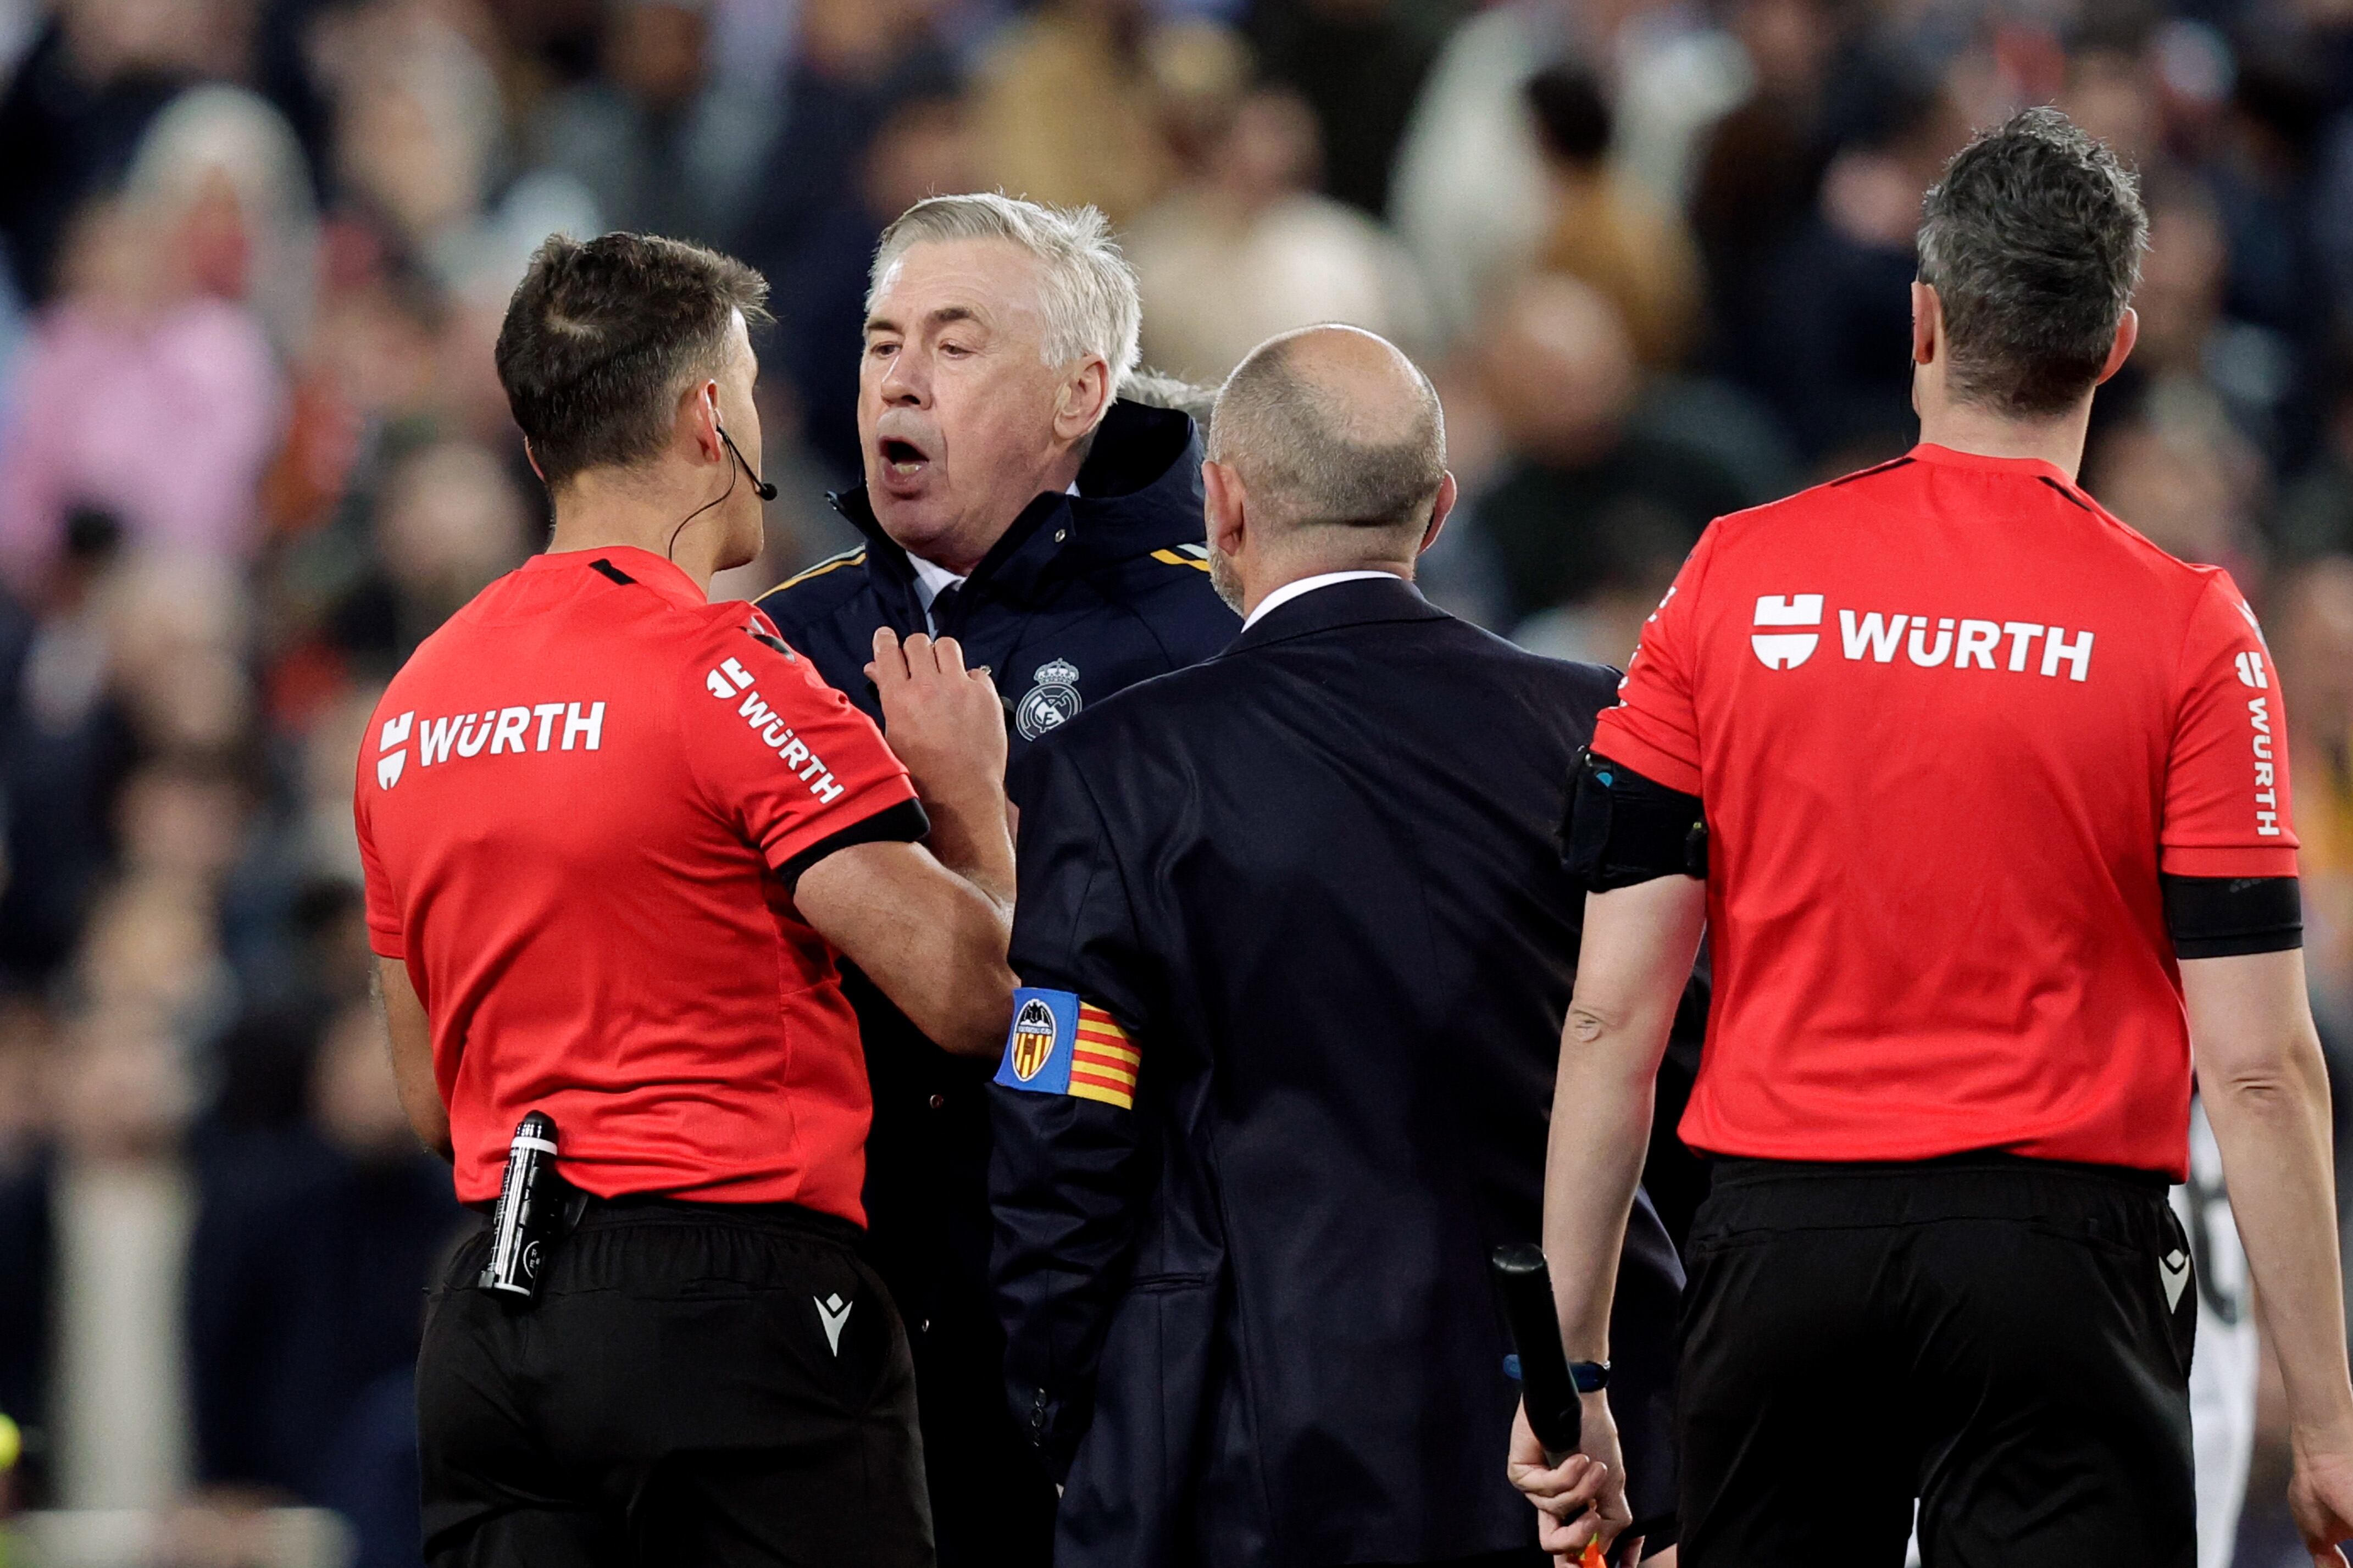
(1927, 322)
(1225, 503)
(532, 458)
(2127, 334)
(1084, 394)
(1439, 509)
(699, 421)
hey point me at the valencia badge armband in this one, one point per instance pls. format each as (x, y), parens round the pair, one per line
(1060, 1045)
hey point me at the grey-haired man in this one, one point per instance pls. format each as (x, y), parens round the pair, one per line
(1021, 498)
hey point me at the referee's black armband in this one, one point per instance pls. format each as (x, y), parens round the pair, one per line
(2226, 917)
(905, 823)
(1623, 828)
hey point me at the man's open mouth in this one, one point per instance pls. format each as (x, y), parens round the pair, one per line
(904, 456)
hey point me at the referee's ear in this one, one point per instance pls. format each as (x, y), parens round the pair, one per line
(1927, 322)
(2127, 334)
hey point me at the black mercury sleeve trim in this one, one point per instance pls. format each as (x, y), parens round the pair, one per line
(2230, 917)
(903, 823)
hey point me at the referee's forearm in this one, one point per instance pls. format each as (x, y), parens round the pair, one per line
(972, 840)
(1601, 1112)
(2272, 1123)
(1631, 963)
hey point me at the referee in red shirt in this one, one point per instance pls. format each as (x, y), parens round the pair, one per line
(1996, 844)
(616, 837)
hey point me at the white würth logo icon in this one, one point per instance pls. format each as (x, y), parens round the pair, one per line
(1783, 649)
(388, 765)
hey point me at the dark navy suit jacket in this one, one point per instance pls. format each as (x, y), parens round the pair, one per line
(1318, 882)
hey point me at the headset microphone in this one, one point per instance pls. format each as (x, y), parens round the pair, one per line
(760, 486)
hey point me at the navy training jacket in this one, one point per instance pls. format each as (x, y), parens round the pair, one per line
(1083, 596)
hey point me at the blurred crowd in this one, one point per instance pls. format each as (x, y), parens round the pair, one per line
(253, 255)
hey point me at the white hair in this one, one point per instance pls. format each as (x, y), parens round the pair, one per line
(1086, 293)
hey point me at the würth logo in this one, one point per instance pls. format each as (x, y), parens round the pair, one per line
(731, 680)
(1967, 643)
(395, 734)
(1787, 650)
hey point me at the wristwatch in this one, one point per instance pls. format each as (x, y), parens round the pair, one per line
(1589, 1376)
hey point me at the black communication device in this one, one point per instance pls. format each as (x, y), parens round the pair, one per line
(1545, 1387)
(530, 1212)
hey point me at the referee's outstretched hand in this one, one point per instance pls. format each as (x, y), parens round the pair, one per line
(943, 721)
(2320, 1496)
(1583, 1497)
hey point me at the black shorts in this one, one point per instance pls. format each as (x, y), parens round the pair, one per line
(674, 1396)
(2007, 1341)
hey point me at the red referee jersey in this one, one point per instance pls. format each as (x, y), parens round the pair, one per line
(572, 803)
(1949, 720)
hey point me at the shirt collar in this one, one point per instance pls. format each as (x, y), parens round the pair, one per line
(931, 578)
(1290, 591)
(2028, 468)
(665, 578)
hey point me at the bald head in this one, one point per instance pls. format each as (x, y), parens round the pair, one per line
(1331, 428)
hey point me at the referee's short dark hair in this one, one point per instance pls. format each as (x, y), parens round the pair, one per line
(2032, 241)
(602, 336)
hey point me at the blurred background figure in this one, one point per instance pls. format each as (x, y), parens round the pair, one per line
(253, 253)
(1244, 247)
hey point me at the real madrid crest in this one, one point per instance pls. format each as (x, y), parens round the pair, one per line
(1033, 1039)
(1053, 702)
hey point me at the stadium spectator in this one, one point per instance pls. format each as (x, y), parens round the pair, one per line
(192, 402)
(74, 111)
(922, 146)
(1245, 249)
(1468, 197)
(855, 61)
(663, 142)
(2182, 476)
(2313, 633)
(1069, 113)
(1596, 502)
(314, 1239)
(1758, 168)
(1606, 231)
(1834, 293)
(1359, 65)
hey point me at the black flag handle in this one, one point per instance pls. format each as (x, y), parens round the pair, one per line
(1545, 1386)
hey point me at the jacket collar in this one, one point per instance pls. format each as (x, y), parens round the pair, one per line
(1366, 601)
(1139, 490)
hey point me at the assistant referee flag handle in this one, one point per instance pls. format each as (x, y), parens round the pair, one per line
(1547, 1387)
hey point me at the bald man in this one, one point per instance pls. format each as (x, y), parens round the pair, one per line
(1295, 945)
